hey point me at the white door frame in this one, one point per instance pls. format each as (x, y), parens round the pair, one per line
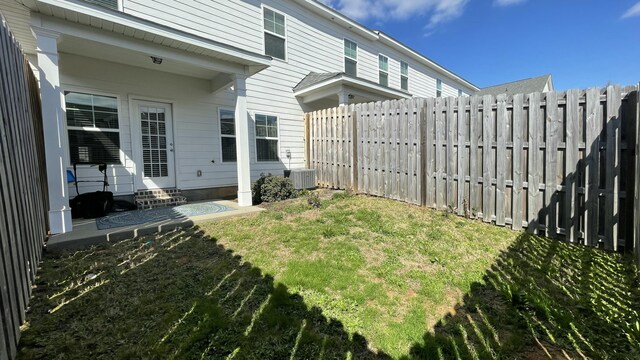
(136, 139)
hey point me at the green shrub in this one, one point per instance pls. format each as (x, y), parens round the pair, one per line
(271, 188)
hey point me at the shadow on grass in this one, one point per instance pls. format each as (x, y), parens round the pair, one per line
(544, 299)
(179, 295)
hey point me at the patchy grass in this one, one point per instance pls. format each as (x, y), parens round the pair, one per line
(359, 277)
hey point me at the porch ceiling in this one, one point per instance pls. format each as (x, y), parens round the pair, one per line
(79, 46)
(80, 19)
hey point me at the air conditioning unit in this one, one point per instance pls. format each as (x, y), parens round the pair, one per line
(302, 178)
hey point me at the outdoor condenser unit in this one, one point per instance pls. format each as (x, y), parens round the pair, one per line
(302, 178)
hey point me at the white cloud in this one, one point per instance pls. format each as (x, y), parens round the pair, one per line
(438, 11)
(507, 2)
(633, 11)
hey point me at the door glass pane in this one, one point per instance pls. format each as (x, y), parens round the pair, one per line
(154, 142)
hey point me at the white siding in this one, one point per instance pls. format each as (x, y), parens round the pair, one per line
(314, 44)
(195, 117)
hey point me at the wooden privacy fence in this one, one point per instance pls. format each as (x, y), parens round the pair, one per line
(23, 192)
(559, 163)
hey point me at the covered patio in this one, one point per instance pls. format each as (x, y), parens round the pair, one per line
(147, 69)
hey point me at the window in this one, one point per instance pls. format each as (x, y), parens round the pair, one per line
(438, 88)
(274, 34)
(228, 135)
(459, 93)
(383, 67)
(267, 138)
(404, 75)
(350, 57)
(93, 128)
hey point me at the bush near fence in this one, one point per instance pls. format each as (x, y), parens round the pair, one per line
(23, 191)
(561, 164)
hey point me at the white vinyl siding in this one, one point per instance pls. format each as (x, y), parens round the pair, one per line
(350, 57)
(275, 41)
(228, 151)
(383, 70)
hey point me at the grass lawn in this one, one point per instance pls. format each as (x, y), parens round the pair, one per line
(358, 278)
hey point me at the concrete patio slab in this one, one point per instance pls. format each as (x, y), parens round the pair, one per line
(86, 233)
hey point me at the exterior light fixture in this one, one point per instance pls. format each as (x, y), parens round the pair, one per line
(156, 60)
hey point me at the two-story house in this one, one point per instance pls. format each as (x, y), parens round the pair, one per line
(203, 95)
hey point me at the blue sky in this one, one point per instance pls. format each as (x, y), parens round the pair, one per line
(582, 43)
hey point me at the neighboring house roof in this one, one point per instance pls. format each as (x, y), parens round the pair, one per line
(526, 86)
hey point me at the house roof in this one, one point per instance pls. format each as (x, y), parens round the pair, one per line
(525, 86)
(314, 78)
(315, 83)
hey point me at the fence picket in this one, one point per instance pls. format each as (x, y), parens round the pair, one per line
(487, 156)
(518, 163)
(592, 169)
(462, 155)
(551, 164)
(440, 132)
(474, 134)
(501, 159)
(430, 153)
(535, 170)
(612, 181)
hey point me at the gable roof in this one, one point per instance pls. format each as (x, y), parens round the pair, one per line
(314, 78)
(525, 86)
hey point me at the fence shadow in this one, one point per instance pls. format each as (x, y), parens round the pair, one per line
(179, 295)
(585, 306)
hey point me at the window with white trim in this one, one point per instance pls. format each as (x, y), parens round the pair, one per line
(228, 135)
(350, 57)
(266, 137)
(383, 70)
(404, 75)
(93, 128)
(459, 93)
(275, 42)
(438, 88)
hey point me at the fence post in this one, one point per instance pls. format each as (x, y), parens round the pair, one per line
(307, 140)
(354, 150)
(636, 204)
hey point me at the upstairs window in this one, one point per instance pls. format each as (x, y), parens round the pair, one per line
(350, 57)
(274, 34)
(267, 137)
(404, 75)
(383, 67)
(93, 128)
(460, 93)
(438, 88)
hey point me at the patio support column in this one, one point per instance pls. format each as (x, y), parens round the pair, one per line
(53, 117)
(242, 142)
(343, 98)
